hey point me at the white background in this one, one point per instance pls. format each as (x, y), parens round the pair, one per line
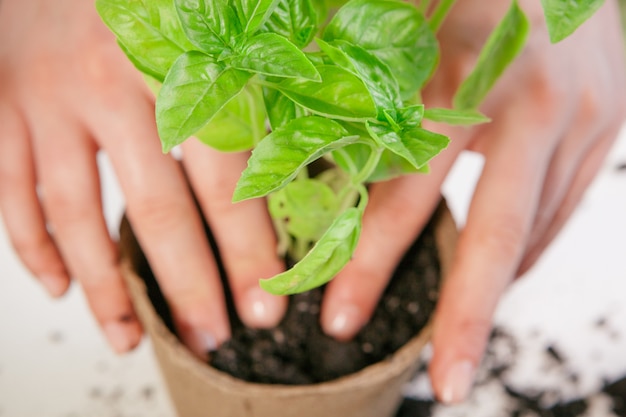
(55, 363)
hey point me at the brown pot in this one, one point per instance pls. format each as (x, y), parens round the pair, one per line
(198, 390)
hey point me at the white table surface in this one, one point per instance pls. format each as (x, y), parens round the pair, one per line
(55, 363)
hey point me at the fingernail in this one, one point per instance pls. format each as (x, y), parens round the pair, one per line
(54, 284)
(345, 322)
(199, 341)
(458, 382)
(261, 309)
(121, 336)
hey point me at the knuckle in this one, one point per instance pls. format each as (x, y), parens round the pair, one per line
(544, 89)
(95, 66)
(475, 330)
(503, 236)
(590, 106)
(37, 252)
(158, 212)
(100, 281)
(216, 192)
(65, 207)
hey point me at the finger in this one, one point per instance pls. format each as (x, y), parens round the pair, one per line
(20, 207)
(488, 253)
(584, 174)
(164, 217)
(582, 135)
(243, 232)
(396, 213)
(71, 197)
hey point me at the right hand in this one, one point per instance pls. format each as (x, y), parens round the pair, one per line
(66, 92)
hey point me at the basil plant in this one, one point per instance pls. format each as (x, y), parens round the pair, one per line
(294, 85)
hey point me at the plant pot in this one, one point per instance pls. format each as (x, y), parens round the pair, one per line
(197, 389)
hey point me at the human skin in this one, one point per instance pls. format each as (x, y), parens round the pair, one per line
(556, 112)
(67, 91)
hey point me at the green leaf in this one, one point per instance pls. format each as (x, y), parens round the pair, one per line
(279, 157)
(411, 116)
(377, 76)
(334, 55)
(296, 20)
(504, 44)
(254, 13)
(396, 32)
(456, 117)
(329, 255)
(280, 109)
(416, 145)
(195, 89)
(271, 54)
(306, 207)
(146, 25)
(239, 125)
(565, 16)
(211, 25)
(341, 94)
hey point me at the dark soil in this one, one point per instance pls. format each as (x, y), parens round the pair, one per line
(298, 352)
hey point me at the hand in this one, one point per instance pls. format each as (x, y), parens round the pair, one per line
(556, 112)
(67, 92)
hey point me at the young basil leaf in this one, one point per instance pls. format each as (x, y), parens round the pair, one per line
(239, 125)
(456, 117)
(142, 26)
(411, 48)
(564, 17)
(278, 158)
(334, 55)
(306, 207)
(211, 25)
(271, 54)
(416, 145)
(280, 109)
(377, 76)
(411, 116)
(195, 89)
(341, 94)
(329, 255)
(296, 20)
(504, 44)
(253, 13)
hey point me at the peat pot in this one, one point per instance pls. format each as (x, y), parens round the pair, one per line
(198, 390)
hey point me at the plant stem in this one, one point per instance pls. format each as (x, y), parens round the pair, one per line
(282, 235)
(300, 249)
(424, 6)
(440, 13)
(348, 196)
(369, 167)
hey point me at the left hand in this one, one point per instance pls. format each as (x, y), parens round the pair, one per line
(556, 112)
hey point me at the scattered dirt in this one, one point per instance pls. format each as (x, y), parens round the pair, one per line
(56, 337)
(500, 357)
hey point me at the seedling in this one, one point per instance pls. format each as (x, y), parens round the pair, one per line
(302, 81)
